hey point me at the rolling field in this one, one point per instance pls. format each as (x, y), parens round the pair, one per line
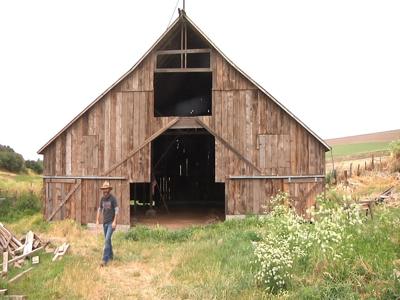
(360, 149)
(361, 146)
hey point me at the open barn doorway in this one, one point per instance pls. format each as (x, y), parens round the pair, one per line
(183, 190)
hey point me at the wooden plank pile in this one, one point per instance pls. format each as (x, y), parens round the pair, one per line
(14, 250)
(368, 204)
(8, 242)
(384, 195)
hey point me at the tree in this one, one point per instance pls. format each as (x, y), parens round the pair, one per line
(10, 160)
(36, 166)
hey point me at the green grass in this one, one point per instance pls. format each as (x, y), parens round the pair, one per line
(19, 195)
(357, 149)
(202, 262)
(210, 262)
(41, 281)
(367, 271)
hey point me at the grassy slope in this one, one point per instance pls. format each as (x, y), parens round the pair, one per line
(357, 149)
(17, 183)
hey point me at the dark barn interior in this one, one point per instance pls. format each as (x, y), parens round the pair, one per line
(183, 179)
(182, 94)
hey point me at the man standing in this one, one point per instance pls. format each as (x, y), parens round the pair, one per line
(109, 207)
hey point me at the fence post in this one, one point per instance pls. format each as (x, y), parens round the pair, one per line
(351, 169)
(372, 162)
(335, 176)
(358, 170)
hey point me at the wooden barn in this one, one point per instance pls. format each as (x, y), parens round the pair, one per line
(183, 130)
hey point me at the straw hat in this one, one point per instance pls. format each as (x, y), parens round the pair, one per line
(106, 186)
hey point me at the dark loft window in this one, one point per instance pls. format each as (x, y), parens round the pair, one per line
(182, 94)
(168, 61)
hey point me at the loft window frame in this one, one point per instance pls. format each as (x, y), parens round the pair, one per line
(183, 53)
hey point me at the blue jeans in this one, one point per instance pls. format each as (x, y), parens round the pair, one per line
(108, 252)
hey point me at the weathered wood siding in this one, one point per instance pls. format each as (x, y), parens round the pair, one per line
(117, 124)
(242, 115)
(83, 204)
(253, 195)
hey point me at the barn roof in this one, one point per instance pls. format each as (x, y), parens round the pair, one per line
(182, 17)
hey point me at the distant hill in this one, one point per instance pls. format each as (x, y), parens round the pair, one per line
(360, 146)
(384, 136)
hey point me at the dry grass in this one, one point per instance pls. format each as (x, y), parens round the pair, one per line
(20, 183)
(368, 186)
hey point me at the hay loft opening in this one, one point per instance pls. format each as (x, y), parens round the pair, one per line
(183, 74)
(183, 180)
(182, 94)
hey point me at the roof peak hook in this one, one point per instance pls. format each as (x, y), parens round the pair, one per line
(183, 10)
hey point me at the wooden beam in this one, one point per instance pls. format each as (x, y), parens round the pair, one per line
(76, 186)
(20, 274)
(279, 177)
(223, 141)
(185, 59)
(182, 70)
(148, 140)
(59, 179)
(183, 51)
(5, 262)
(17, 258)
(54, 179)
(181, 46)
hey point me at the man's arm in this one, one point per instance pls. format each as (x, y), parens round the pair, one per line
(114, 223)
(98, 213)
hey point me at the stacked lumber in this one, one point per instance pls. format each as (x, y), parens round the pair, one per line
(9, 243)
(14, 250)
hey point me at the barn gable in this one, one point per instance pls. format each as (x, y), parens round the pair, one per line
(257, 146)
(130, 82)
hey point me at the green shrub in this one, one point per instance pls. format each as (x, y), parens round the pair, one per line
(395, 148)
(28, 202)
(36, 166)
(395, 152)
(288, 241)
(14, 207)
(10, 160)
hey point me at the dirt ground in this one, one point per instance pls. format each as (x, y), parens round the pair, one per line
(180, 219)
